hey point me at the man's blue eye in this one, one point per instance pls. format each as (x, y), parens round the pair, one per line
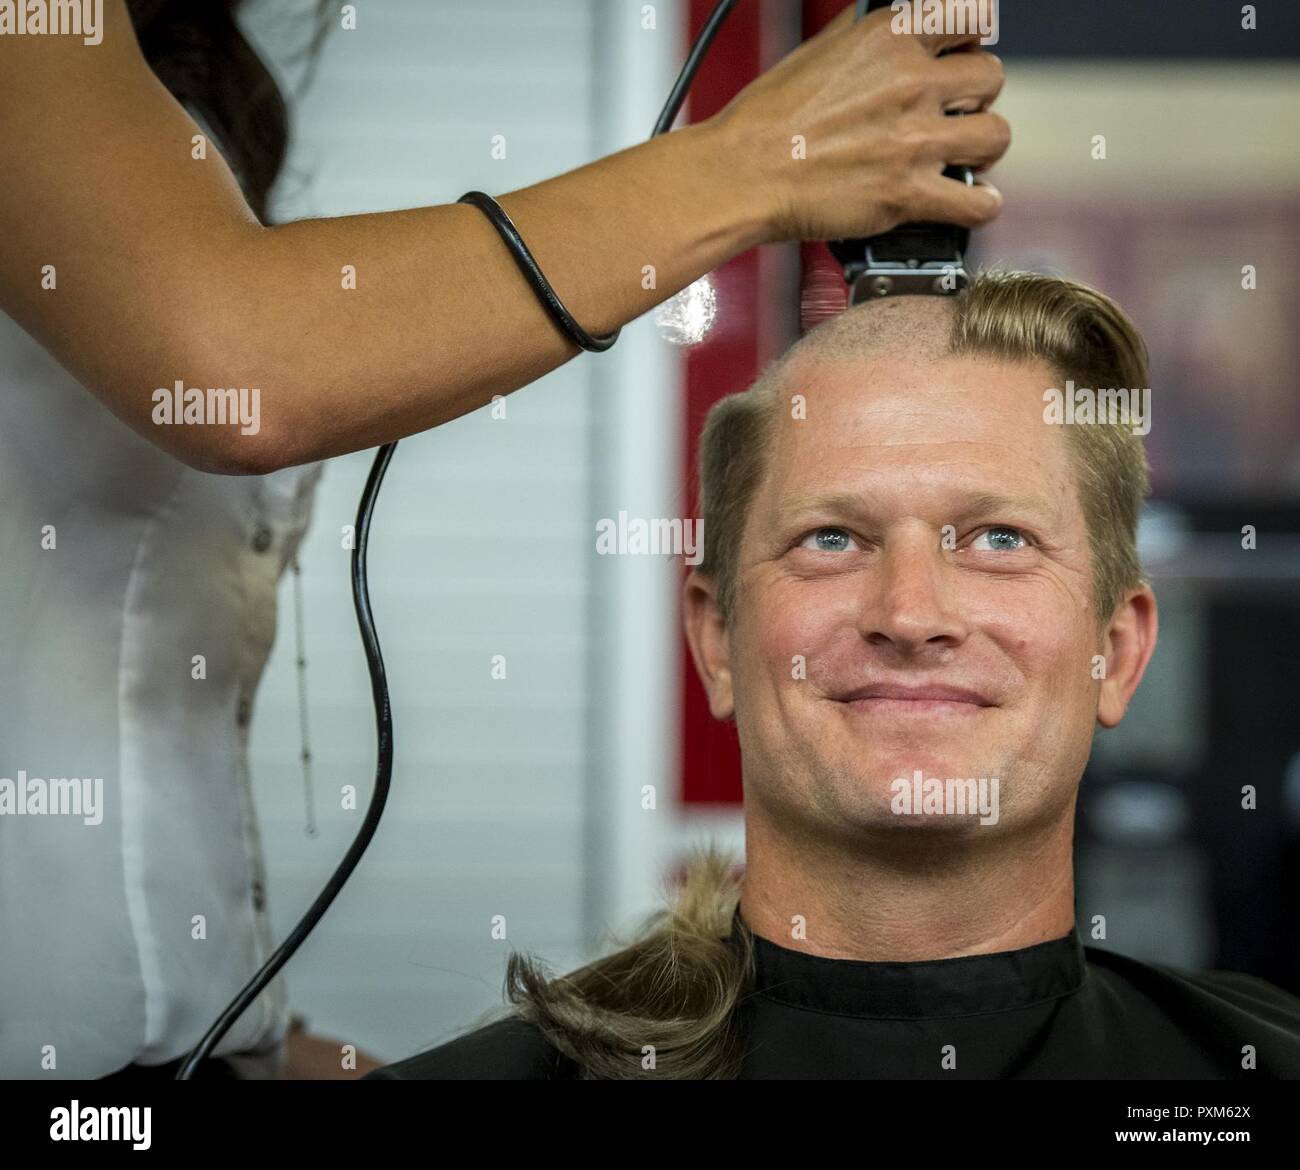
(1000, 539)
(828, 540)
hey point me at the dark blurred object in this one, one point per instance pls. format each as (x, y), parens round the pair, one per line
(1254, 687)
(1146, 28)
(1183, 873)
(1139, 868)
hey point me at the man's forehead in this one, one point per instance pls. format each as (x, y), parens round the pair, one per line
(898, 398)
(964, 422)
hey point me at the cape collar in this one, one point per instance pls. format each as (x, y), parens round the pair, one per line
(971, 985)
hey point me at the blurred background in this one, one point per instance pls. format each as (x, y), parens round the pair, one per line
(554, 757)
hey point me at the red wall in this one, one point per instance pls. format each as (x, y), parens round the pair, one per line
(728, 361)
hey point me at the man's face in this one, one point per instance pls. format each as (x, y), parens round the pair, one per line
(969, 661)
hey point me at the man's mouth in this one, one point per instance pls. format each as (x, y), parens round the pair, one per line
(916, 699)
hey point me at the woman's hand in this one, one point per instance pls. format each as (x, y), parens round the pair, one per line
(848, 135)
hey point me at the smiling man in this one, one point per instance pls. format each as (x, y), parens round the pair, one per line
(919, 597)
(920, 581)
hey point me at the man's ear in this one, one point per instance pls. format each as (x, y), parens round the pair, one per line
(706, 633)
(1128, 645)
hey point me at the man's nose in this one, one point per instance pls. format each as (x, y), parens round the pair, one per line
(912, 597)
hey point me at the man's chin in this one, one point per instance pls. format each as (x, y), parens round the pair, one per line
(925, 791)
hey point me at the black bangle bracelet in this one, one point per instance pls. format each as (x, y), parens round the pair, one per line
(528, 266)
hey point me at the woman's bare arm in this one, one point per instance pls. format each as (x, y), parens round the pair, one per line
(162, 273)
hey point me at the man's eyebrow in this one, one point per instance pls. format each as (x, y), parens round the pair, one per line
(819, 502)
(990, 504)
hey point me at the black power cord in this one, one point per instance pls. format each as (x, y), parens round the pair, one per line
(383, 779)
(361, 589)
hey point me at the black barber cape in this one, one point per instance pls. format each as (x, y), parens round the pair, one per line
(1058, 1010)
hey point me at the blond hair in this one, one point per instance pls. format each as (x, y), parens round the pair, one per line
(676, 988)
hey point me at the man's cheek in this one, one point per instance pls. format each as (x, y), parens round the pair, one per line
(758, 661)
(796, 657)
(1066, 680)
(804, 633)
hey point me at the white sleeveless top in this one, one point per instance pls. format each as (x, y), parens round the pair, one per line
(127, 922)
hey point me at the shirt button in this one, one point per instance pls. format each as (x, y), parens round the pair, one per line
(243, 712)
(262, 538)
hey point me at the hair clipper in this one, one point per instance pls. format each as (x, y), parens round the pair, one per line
(927, 258)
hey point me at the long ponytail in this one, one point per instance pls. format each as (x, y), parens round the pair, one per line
(672, 996)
